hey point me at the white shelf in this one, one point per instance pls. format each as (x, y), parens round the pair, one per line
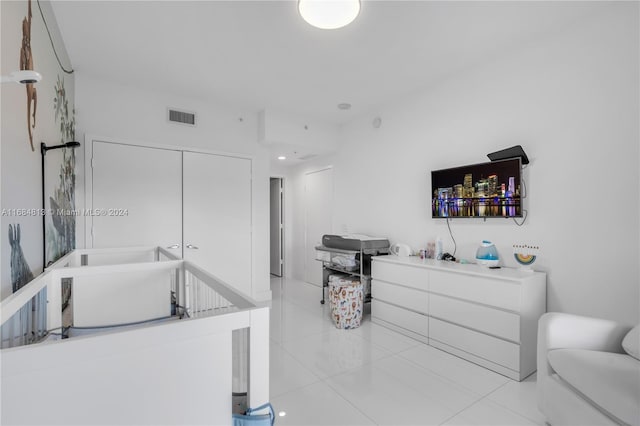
(359, 272)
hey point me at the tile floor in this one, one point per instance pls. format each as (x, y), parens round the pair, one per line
(374, 376)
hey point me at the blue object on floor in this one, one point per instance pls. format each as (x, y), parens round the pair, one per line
(249, 419)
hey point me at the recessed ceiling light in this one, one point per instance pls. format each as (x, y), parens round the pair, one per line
(329, 15)
(344, 106)
(282, 157)
(282, 413)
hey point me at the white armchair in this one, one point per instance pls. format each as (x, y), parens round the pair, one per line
(584, 375)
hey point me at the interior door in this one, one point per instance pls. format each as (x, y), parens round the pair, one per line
(318, 212)
(217, 216)
(276, 226)
(138, 193)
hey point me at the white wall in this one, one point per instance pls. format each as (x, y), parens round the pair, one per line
(572, 101)
(133, 114)
(21, 176)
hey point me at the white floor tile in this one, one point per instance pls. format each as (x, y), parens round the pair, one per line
(427, 383)
(317, 404)
(287, 374)
(521, 398)
(298, 292)
(291, 321)
(471, 376)
(388, 400)
(333, 352)
(488, 413)
(394, 391)
(385, 338)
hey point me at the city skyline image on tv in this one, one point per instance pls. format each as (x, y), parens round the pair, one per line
(490, 189)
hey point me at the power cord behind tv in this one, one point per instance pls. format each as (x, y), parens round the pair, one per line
(524, 218)
(455, 245)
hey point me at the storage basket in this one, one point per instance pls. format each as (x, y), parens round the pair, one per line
(346, 297)
(323, 256)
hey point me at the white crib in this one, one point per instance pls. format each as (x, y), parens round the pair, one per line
(184, 342)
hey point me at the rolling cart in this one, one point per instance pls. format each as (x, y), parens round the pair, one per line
(350, 255)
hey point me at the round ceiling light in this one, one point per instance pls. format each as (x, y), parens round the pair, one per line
(282, 157)
(329, 14)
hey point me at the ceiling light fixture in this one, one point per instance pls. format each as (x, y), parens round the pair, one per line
(344, 106)
(329, 14)
(282, 157)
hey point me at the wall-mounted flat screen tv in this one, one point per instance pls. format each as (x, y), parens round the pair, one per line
(478, 190)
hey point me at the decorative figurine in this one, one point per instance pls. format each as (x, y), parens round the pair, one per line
(525, 255)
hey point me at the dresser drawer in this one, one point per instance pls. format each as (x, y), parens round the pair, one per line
(490, 348)
(493, 321)
(400, 274)
(408, 320)
(409, 298)
(490, 291)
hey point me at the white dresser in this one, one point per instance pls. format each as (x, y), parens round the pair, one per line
(487, 316)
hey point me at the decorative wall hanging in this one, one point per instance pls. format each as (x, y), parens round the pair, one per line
(20, 272)
(61, 238)
(26, 63)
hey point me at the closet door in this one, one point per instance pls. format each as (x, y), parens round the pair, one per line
(217, 216)
(140, 191)
(318, 203)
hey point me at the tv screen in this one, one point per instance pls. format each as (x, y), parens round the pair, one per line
(479, 190)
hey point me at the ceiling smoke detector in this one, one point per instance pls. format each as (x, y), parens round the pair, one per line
(344, 106)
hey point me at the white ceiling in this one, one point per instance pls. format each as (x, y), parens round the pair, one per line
(261, 54)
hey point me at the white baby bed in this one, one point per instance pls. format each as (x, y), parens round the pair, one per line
(172, 372)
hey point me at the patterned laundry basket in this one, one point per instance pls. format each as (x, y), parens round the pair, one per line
(346, 295)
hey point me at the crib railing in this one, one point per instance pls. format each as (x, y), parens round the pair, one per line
(112, 256)
(27, 324)
(206, 305)
(36, 310)
(24, 316)
(201, 299)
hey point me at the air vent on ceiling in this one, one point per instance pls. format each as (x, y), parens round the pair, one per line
(181, 117)
(307, 157)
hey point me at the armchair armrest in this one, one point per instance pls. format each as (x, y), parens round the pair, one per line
(558, 330)
(566, 331)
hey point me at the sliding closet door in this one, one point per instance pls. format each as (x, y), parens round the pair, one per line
(217, 216)
(139, 189)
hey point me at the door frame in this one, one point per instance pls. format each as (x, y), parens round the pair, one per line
(282, 229)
